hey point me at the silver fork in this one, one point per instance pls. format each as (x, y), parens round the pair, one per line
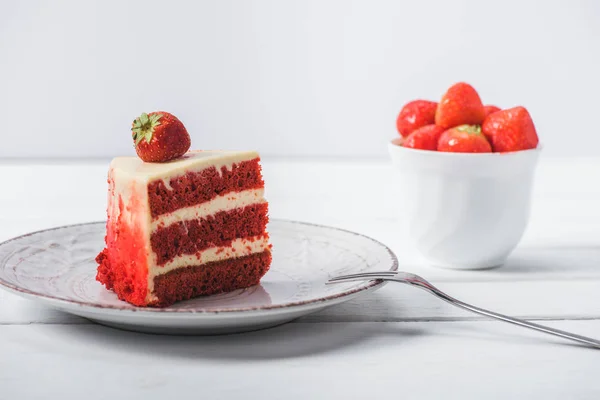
(415, 280)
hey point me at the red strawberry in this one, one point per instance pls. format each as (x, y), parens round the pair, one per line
(159, 137)
(464, 139)
(460, 105)
(490, 110)
(511, 130)
(414, 115)
(424, 138)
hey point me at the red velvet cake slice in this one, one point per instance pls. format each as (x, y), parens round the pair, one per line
(189, 227)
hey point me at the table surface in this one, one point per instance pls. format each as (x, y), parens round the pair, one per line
(394, 343)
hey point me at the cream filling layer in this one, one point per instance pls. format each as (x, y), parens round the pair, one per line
(238, 248)
(227, 202)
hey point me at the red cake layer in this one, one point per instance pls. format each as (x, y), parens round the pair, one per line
(197, 187)
(217, 277)
(217, 230)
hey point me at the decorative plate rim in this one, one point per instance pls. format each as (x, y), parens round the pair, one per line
(178, 311)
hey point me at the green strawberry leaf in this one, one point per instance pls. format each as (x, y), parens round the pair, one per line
(155, 118)
(470, 129)
(144, 126)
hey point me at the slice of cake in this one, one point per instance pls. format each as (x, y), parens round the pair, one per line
(190, 227)
(182, 224)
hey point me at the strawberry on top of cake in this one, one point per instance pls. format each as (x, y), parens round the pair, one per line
(185, 224)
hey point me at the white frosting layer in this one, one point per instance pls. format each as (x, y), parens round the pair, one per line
(227, 202)
(192, 161)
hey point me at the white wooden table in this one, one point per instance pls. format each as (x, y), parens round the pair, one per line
(396, 343)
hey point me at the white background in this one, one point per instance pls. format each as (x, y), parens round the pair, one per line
(301, 78)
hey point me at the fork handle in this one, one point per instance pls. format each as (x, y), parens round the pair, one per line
(516, 321)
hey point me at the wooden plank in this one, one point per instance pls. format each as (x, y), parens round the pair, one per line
(564, 210)
(552, 299)
(535, 300)
(352, 181)
(449, 360)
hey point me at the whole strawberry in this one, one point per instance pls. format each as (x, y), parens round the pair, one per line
(159, 137)
(460, 105)
(424, 138)
(511, 130)
(490, 110)
(464, 139)
(415, 115)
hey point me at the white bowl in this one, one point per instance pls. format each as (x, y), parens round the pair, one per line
(464, 211)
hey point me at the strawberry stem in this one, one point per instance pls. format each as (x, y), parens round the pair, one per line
(470, 129)
(143, 127)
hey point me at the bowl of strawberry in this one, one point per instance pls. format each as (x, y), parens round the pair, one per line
(466, 173)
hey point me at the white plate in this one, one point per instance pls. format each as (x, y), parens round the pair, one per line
(56, 267)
